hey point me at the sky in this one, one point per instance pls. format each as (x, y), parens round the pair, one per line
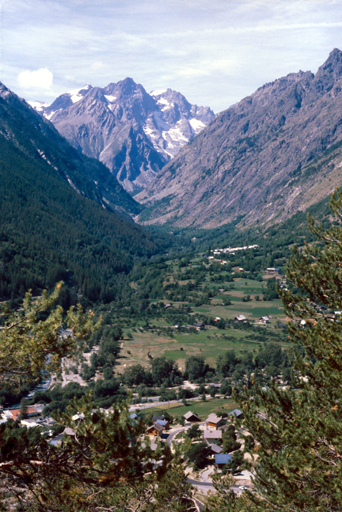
(215, 52)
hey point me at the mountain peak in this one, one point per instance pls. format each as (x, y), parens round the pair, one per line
(331, 71)
(127, 86)
(132, 132)
(258, 159)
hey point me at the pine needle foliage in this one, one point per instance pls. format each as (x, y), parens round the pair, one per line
(100, 463)
(298, 431)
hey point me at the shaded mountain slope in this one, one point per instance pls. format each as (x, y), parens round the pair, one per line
(48, 231)
(275, 152)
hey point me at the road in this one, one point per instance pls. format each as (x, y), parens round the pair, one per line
(205, 484)
(174, 432)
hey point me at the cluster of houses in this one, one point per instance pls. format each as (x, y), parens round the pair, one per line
(33, 416)
(263, 320)
(230, 250)
(214, 427)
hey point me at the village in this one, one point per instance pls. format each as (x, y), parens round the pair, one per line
(205, 438)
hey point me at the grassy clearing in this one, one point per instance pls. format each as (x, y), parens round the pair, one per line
(209, 343)
(156, 341)
(202, 409)
(252, 310)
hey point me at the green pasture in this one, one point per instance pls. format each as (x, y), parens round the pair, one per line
(252, 310)
(201, 409)
(209, 343)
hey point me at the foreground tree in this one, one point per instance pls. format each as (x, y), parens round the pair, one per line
(298, 431)
(100, 464)
(35, 338)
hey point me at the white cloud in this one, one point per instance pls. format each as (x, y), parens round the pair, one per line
(213, 52)
(40, 79)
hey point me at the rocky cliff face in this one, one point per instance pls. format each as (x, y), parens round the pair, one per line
(133, 133)
(273, 153)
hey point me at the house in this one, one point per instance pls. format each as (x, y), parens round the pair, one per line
(210, 436)
(78, 416)
(57, 440)
(161, 418)
(157, 417)
(135, 418)
(191, 417)
(199, 326)
(167, 306)
(30, 423)
(6, 415)
(264, 320)
(164, 423)
(272, 271)
(215, 448)
(69, 432)
(237, 413)
(240, 318)
(221, 459)
(214, 422)
(15, 413)
(155, 430)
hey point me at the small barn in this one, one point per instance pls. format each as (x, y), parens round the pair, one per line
(191, 417)
(237, 413)
(214, 422)
(215, 448)
(155, 430)
(240, 318)
(221, 459)
(210, 436)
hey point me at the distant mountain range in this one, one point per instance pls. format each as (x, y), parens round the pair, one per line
(274, 153)
(132, 132)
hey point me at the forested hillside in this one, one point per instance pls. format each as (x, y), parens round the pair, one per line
(48, 230)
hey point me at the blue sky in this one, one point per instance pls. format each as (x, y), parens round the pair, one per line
(215, 52)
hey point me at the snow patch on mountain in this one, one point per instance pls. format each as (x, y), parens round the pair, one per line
(158, 92)
(75, 95)
(110, 98)
(48, 116)
(196, 125)
(39, 106)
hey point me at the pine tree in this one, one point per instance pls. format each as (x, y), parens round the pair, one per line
(298, 431)
(23, 409)
(101, 464)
